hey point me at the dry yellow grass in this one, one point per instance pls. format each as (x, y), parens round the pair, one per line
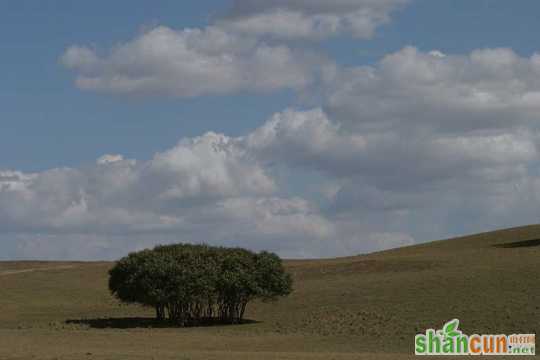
(360, 307)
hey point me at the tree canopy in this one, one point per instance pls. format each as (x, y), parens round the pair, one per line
(187, 283)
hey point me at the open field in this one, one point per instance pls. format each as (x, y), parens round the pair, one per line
(367, 306)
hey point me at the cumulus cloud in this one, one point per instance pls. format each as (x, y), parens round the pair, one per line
(236, 53)
(305, 138)
(487, 89)
(430, 119)
(124, 192)
(205, 189)
(191, 62)
(426, 185)
(422, 144)
(311, 19)
(311, 139)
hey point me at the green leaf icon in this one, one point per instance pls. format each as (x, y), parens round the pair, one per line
(450, 328)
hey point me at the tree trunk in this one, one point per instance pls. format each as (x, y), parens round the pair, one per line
(243, 310)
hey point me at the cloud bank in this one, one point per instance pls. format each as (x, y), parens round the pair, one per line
(309, 19)
(418, 146)
(192, 62)
(237, 53)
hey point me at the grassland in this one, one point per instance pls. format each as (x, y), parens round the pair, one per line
(367, 306)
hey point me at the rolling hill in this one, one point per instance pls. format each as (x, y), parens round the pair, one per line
(367, 306)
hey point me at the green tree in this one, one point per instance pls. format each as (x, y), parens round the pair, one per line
(191, 283)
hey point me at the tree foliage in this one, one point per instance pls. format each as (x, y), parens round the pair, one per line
(191, 283)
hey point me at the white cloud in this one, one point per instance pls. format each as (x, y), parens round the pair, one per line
(238, 53)
(421, 145)
(488, 89)
(312, 19)
(109, 158)
(304, 137)
(418, 146)
(191, 62)
(310, 139)
(129, 193)
(428, 118)
(425, 145)
(205, 189)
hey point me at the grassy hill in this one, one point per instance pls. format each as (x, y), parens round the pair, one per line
(345, 308)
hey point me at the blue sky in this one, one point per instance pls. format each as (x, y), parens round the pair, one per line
(48, 121)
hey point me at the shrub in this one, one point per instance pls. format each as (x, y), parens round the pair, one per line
(190, 283)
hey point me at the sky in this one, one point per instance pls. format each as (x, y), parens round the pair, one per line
(305, 127)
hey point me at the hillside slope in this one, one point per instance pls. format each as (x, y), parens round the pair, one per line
(343, 307)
